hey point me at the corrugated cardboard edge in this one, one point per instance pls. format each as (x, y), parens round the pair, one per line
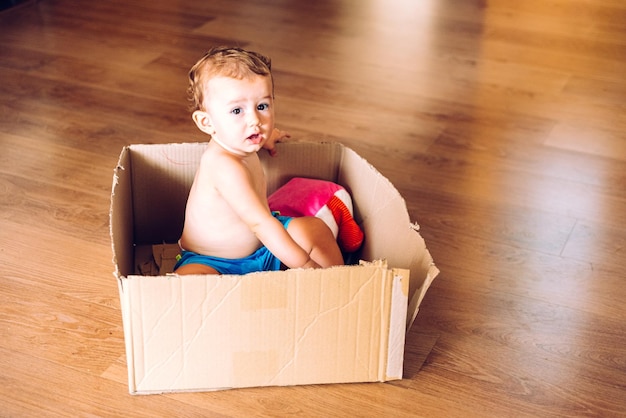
(120, 214)
(120, 228)
(397, 321)
(429, 271)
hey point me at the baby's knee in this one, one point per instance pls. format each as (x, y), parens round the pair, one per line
(312, 226)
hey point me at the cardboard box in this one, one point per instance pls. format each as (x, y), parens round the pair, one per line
(208, 332)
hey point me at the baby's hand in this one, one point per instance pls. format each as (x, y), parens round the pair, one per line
(277, 136)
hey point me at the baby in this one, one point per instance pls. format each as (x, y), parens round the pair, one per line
(229, 228)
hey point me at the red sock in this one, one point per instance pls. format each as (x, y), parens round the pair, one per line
(350, 236)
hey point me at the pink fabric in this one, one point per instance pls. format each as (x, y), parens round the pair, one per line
(302, 197)
(324, 199)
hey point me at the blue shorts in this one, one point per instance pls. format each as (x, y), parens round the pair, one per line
(260, 260)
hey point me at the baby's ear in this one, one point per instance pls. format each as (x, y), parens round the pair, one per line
(203, 122)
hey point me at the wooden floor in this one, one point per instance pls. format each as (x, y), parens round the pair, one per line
(502, 123)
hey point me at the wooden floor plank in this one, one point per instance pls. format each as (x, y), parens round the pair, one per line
(501, 123)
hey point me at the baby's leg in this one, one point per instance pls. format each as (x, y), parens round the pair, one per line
(314, 236)
(195, 268)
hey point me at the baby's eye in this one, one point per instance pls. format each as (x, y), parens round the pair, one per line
(236, 111)
(263, 106)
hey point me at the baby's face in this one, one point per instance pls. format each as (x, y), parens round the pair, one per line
(241, 112)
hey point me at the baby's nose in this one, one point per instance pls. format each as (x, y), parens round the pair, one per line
(254, 119)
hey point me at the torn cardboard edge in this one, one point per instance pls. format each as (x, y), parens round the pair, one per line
(166, 353)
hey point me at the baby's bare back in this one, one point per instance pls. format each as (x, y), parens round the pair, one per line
(212, 226)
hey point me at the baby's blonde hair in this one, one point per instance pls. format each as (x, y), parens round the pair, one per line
(228, 62)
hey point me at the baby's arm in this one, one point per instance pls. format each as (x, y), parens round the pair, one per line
(236, 185)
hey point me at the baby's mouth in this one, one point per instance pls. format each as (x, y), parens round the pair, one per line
(255, 138)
